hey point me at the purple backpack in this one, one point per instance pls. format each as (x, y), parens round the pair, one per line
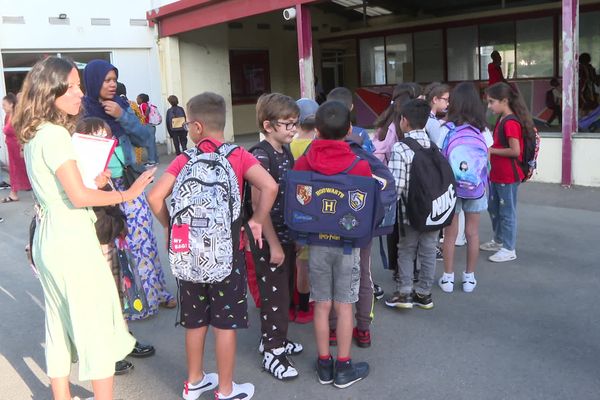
(466, 151)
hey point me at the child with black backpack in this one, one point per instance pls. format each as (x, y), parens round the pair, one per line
(277, 116)
(205, 245)
(510, 156)
(426, 190)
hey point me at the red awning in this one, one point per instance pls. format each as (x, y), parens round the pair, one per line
(188, 15)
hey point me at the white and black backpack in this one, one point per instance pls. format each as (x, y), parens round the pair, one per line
(205, 217)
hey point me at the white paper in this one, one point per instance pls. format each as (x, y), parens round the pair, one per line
(93, 154)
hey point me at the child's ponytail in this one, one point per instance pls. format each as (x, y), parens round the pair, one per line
(402, 93)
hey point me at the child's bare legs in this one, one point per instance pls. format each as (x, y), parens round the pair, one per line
(472, 234)
(345, 321)
(103, 388)
(60, 388)
(450, 233)
(225, 343)
(322, 310)
(194, 350)
(302, 282)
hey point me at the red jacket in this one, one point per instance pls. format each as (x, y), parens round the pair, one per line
(330, 157)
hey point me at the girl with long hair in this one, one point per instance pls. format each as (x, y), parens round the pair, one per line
(466, 112)
(83, 313)
(505, 155)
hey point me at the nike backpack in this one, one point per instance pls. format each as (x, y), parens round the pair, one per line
(431, 196)
(466, 151)
(205, 221)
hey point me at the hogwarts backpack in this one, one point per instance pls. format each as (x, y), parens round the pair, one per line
(339, 210)
(466, 151)
(205, 217)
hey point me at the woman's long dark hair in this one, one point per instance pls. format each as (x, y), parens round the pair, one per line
(402, 93)
(501, 91)
(466, 106)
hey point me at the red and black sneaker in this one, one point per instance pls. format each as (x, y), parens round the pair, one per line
(362, 338)
(332, 337)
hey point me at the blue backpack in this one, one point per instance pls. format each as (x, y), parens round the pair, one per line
(339, 210)
(466, 151)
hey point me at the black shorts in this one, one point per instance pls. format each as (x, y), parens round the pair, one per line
(222, 304)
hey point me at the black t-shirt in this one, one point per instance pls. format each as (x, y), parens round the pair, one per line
(283, 162)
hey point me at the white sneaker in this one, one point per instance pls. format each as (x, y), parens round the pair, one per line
(193, 391)
(242, 391)
(490, 246)
(503, 255)
(446, 282)
(469, 282)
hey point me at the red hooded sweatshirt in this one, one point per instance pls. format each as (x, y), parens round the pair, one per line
(330, 157)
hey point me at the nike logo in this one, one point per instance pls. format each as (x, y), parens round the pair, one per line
(442, 207)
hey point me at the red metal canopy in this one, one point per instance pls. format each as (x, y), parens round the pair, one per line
(187, 15)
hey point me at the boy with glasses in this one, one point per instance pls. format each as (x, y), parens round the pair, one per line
(277, 117)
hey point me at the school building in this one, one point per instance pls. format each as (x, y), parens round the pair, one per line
(242, 48)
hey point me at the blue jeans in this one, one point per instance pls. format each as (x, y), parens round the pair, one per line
(151, 143)
(502, 207)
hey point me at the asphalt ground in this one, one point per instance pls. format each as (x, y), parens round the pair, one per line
(530, 330)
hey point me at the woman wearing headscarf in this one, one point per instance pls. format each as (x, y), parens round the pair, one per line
(101, 101)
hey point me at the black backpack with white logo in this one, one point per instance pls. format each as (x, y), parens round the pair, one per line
(432, 189)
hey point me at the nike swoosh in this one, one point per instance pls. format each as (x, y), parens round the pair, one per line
(444, 216)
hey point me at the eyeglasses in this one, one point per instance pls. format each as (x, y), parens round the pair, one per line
(187, 125)
(446, 99)
(288, 125)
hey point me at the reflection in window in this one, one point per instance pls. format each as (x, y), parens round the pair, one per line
(399, 67)
(500, 37)
(429, 56)
(372, 61)
(463, 62)
(589, 36)
(535, 49)
(249, 72)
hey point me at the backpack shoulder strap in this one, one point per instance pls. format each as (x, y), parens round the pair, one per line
(226, 149)
(356, 160)
(267, 148)
(412, 144)
(501, 122)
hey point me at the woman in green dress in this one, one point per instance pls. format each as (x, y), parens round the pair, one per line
(83, 314)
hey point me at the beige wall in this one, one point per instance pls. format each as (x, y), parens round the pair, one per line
(204, 60)
(585, 153)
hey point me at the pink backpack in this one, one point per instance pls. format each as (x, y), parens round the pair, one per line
(154, 117)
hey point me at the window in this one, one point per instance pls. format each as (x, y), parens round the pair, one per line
(17, 65)
(250, 76)
(463, 61)
(398, 52)
(500, 37)
(589, 36)
(429, 56)
(372, 61)
(535, 48)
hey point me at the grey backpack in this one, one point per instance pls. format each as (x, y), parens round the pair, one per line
(205, 217)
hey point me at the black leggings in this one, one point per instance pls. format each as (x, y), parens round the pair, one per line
(179, 141)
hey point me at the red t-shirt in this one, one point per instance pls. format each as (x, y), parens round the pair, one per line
(241, 160)
(503, 168)
(494, 74)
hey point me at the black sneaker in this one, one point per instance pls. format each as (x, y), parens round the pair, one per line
(123, 367)
(142, 350)
(279, 365)
(347, 373)
(325, 371)
(400, 300)
(377, 292)
(4, 185)
(422, 300)
(438, 253)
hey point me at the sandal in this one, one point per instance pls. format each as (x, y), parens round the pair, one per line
(169, 304)
(9, 199)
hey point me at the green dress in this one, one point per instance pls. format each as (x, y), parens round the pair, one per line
(84, 321)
